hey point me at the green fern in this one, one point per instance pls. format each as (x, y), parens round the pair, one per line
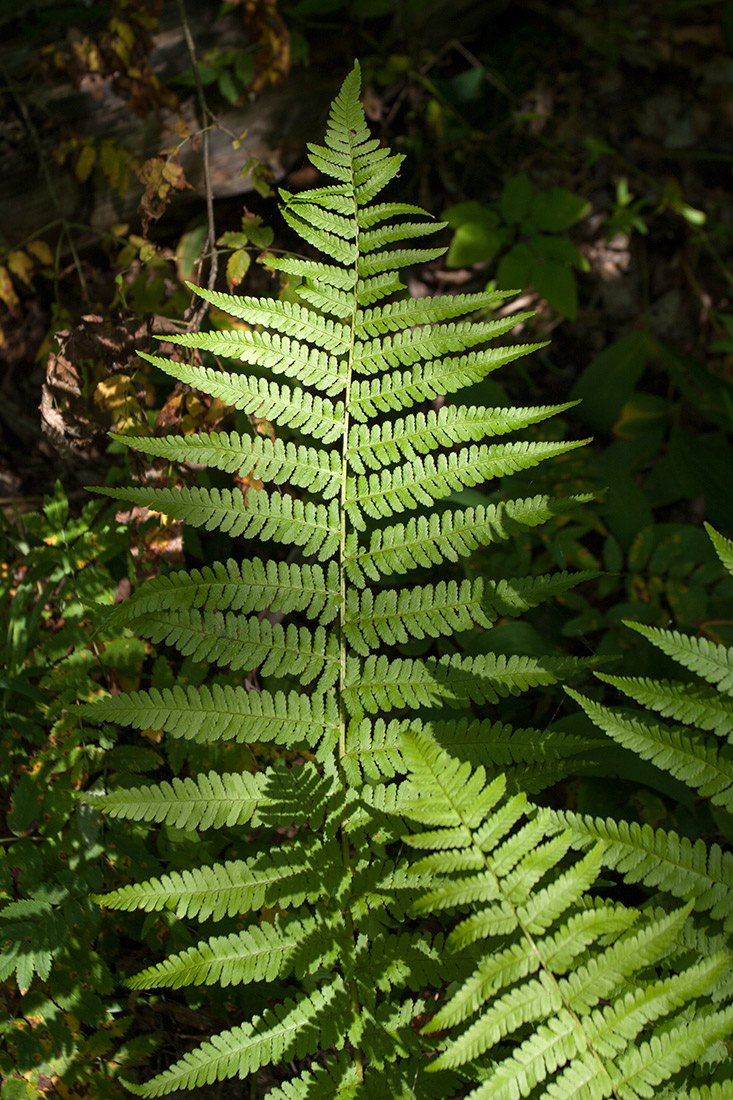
(568, 998)
(347, 363)
(696, 749)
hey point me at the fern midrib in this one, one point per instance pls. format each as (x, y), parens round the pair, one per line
(535, 949)
(343, 644)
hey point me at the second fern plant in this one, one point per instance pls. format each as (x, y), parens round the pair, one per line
(345, 376)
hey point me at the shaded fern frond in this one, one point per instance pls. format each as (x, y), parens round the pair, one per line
(688, 756)
(292, 1029)
(223, 712)
(380, 684)
(261, 953)
(266, 516)
(247, 586)
(694, 704)
(567, 1002)
(306, 467)
(425, 541)
(246, 643)
(374, 747)
(661, 859)
(394, 615)
(285, 405)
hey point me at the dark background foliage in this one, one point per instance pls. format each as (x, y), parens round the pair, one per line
(579, 152)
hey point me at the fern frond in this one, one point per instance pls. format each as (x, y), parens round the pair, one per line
(376, 262)
(646, 1066)
(284, 877)
(394, 316)
(324, 825)
(394, 615)
(332, 244)
(629, 1071)
(660, 859)
(377, 287)
(695, 704)
(381, 211)
(566, 1006)
(247, 586)
(262, 515)
(424, 480)
(375, 445)
(208, 802)
(336, 302)
(719, 1090)
(402, 231)
(397, 389)
(515, 595)
(331, 274)
(375, 747)
(378, 684)
(272, 798)
(246, 643)
(284, 317)
(280, 354)
(306, 467)
(294, 408)
(408, 346)
(292, 1029)
(314, 213)
(260, 953)
(223, 712)
(709, 660)
(448, 536)
(723, 547)
(695, 760)
(338, 1080)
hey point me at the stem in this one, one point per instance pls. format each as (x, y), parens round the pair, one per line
(343, 649)
(196, 313)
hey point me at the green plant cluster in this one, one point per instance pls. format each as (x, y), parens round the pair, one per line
(310, 899)
(60, 1019)
(526, 228)
(643, 798)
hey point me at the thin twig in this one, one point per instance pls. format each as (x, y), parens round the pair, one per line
(195, 313)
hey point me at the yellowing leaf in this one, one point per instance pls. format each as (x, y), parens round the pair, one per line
(41, 251)
(21, 266)
(7, 290)
(237, 267)
(117, 396)
(156, 736)
(217, 411)
(85, 163)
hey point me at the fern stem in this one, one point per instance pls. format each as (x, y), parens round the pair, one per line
(343, 644)
(207, 249)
